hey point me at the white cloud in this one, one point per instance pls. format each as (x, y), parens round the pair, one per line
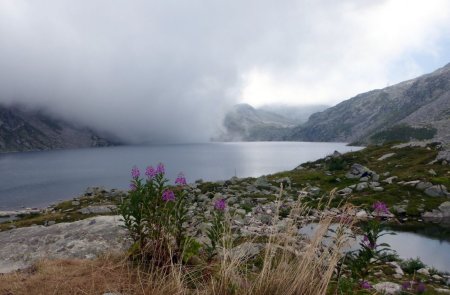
(355, 50)
(166, 70)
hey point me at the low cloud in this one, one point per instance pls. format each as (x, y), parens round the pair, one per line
(166, 71)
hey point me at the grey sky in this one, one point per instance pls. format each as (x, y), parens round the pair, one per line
(167, 70)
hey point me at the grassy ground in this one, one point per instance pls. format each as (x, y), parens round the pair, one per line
(62, 212)
(410, 163)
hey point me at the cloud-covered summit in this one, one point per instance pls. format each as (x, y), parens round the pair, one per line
(167, 70)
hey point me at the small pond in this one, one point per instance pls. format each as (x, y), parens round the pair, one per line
(429, 242)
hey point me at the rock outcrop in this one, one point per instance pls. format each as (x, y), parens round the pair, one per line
(86, 238)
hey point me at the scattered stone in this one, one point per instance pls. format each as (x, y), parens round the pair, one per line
(388, 288)
(384, 157)
(361, 186)
(246, 250)
(438, 190)
(75, 203)
(442, 291)
(396, 266)
(358, 171)
(345, 191)
(424, 271)
(336, 154)
(261, 182)
(432, 172)
(389, 180)
(286, 181)
(411, 183)
(101, 209)
(399, 209)
(443, 211)
(314, 190)
(423, 185)
(362, 214)
(443, 156)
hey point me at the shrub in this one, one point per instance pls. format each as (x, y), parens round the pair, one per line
(412, 265)
(336, 164)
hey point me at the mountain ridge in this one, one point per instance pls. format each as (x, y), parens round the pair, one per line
(420, 106)
(22, 129)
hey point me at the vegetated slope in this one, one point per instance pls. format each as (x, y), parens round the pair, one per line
(272, 122)
(414, 109)
(25, 130)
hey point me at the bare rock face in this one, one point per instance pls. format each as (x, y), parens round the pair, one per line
(86, 238)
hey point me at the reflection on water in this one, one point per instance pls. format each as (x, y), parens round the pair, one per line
(432, 251)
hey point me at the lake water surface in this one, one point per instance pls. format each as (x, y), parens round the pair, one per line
(433, 249)
(36, 179)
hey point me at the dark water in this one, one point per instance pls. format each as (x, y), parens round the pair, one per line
(37, 179)
(432, 249)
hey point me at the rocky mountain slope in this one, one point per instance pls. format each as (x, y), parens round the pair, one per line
(246, 123)
(414, 109)
(25, 130)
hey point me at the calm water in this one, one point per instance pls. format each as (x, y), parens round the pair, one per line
(431, 249)
(37, 179)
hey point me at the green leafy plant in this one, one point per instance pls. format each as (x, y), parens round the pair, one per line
(216, 231)
(154, 214)
(370, 252)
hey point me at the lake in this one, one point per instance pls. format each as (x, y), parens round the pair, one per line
(37, 179)
(424, 242)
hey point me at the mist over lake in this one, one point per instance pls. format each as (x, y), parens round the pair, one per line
(37, 179)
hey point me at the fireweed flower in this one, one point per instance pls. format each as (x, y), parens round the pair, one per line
(135, 173)
(220, 205)
(406, 285)
(133, 186)
(421, 288)
(168, 196)
(150, 172)
(369, 244)
(181, 180)
(380, 207)
(365, 285)
(160, 169)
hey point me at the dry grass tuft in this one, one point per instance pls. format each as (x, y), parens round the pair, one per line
(79, 276)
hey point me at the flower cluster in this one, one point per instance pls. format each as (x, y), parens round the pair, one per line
(181, 180)
(220, 205)
(380, 208)
(133, 186)
(150, 172)
(368, 243)
(168, 196)
(419, 287)
(135, 173)
(365, 285)
(160, 169)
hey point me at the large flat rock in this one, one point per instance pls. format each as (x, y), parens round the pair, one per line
(86, 238)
